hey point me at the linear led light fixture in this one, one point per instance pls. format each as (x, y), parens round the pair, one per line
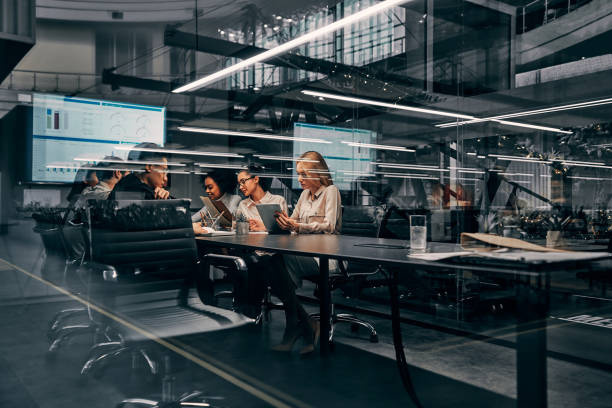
(384, 173)
(290, 45)
(355, 173)
(65, 166)
(178, 151)
(506, 156)
(520, 159)
(517, 174)
(359, 181)
(585, 164)
(409, 176)
(386, 104)
(533, 112)
(530, 126)
(379, 146)
(423, 166)
(133, 170)
(505, 122)
(152, 163)
(282, 158)
(222, 166)
(409, 167)
(582, 162)
(589, 178)
(250, 134)
(467, 170)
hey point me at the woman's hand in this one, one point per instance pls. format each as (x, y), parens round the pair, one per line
(285, 222)
(256, 225)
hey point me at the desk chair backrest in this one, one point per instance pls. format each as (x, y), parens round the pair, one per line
(364, 221)
(143, 239)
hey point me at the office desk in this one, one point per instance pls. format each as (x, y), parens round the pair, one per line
(532, 283)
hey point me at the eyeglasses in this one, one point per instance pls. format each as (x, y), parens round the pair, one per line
(244, 180)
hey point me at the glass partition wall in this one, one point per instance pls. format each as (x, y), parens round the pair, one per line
(445, 108)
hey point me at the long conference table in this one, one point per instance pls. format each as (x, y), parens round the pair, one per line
(531, 280)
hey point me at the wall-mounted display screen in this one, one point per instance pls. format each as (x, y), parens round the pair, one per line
(66, 128)
(346, 163)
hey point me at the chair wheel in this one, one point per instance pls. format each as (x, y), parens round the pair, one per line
(373, 338)
(354, 327)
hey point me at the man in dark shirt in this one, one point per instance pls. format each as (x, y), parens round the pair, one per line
(148, 182)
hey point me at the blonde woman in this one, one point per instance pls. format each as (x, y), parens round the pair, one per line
(318, 210)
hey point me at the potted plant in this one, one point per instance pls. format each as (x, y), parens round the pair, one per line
(242, 224)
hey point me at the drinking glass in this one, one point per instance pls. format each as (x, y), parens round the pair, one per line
(418, 233)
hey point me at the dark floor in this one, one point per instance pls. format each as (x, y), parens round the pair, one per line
(237, 367)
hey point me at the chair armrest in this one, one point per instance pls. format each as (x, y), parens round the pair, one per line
(108, 273)
(225, 261)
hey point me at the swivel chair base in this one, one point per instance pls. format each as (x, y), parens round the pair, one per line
(354, 321)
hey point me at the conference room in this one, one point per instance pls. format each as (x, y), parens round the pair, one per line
(304, 204)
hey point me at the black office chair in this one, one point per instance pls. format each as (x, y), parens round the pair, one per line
(59, 235)
(143, 261)
(362, 221)
(61, 329)
(230, 264)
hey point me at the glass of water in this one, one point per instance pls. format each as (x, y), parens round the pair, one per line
(418, 233)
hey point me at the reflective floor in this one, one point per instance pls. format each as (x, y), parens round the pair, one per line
(235, 368)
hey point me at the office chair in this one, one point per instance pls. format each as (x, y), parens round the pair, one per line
(230, 264)
(362, 221)
(143, 261)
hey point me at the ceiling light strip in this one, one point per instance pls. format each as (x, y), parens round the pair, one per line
(222, 166)
(178, 151)
(386, 104)
(379, 146)
(532, 112)
(407, 167)
(289, 45)
(282, 158)
(250, 134)
(151, 163)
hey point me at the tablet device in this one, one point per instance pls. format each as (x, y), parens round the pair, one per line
(267, 212)
(217, 207)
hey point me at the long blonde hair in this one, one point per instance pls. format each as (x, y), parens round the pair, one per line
(312, 160)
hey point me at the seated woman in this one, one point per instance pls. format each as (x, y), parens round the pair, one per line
(219, 186)
(250, 287)
(255, 189)
(318, 210)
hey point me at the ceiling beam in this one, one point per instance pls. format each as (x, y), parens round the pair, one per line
(217, 46)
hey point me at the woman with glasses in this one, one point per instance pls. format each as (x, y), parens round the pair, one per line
(255, 189)
(318, 210)
(249, 287)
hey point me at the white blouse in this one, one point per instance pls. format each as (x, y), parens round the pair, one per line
(321, 213)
